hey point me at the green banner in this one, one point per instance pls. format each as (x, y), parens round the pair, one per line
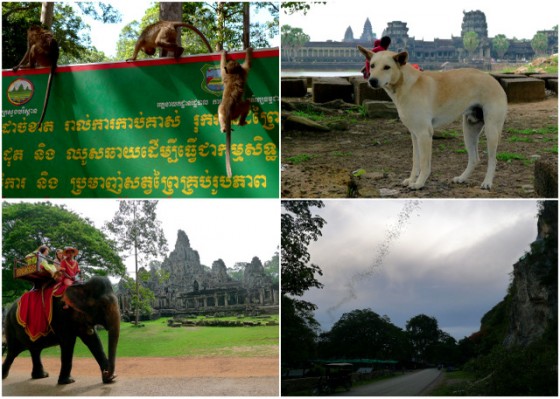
(134, 130)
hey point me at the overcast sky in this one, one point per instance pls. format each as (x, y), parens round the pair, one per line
(233, 230)
(426, 19)
(449, 259)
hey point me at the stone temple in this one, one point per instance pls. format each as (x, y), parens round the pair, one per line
(193, 288)
(433, 54)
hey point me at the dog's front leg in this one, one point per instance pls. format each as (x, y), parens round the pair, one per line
(415, 163)
(423, 156)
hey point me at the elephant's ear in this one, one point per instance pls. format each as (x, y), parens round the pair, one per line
(77, 297)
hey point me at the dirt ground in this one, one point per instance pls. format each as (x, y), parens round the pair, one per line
(320, 164)
(195, 376)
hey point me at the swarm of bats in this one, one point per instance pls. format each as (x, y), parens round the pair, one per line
(43, 50)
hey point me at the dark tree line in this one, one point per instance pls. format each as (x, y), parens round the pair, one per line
(364, 334)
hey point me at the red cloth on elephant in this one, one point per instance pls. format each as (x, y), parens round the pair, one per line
(34, 312)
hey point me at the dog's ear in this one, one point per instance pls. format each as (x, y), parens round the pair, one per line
(401, 58)
(368, 54)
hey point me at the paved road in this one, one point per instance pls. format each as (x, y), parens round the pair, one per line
(412, 384)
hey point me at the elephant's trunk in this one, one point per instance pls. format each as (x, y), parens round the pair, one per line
(113, 318)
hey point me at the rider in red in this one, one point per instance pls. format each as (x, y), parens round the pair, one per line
(69, 267)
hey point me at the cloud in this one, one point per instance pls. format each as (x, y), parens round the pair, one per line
(450, 259)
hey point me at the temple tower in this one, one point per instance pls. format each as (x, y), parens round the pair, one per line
(367, 33)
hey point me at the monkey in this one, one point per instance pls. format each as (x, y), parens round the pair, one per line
(233, 106)
(164, 34)
(43, 50)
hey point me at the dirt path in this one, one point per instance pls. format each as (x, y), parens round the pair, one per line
(319, 165)
(197, 376)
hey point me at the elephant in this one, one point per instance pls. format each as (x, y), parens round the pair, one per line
(81, 308)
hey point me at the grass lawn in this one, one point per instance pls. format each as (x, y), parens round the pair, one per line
(156, 339)
(455, 383)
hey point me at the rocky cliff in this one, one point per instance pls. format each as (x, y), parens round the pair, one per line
(533, 302)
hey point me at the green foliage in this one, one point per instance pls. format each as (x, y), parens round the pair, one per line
(101, 12)
(311, 114)
(299, 333)
(551, 129)
(69, 29)
(142, 298)
(204, 16)
(539, 43)
(455, 383)
(272, 268)
(494, 326)
(517, 371)
(26, 226)
(501, 44)
(509, 156)
(299, 328)
(423, 332)
(137, 231)
(298, 228)
(470, 41)
(300, 158)
(292, 38)
(290, 7)
(363, 333)
(236, 272)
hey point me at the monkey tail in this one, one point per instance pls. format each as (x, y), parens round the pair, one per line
(228, 146)
(199, 33)
(47, 95)
(54, 57)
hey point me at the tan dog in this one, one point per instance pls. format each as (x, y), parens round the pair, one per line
(426, 100)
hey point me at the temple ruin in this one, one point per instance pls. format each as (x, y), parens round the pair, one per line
(193, 288)
(435, 54)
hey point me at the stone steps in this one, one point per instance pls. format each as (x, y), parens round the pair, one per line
(355, 89)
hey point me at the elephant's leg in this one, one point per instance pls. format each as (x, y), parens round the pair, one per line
(38, 370)
(93, 342)
(67, 344)
(14, 349)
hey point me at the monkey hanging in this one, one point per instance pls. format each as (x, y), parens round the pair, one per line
(233, 106)
(43, 50)
(164, 34)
